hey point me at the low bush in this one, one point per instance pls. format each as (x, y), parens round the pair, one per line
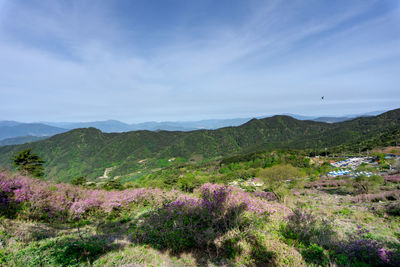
(364, 184)
(382, 196)
(304, 226)
(361, 248)
(314, 254)
(39, 200)
(265, 195)
(345, 211)
(196, 222)
(393, 208)
(392, 178)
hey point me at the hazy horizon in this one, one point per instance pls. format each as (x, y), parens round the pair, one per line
(206, 119)
(139, 61)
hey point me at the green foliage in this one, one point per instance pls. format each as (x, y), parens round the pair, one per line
(163, 163)
(307, 228)
(393, 209)
(63, 251)
(29, 163)
(189, 182)
(345, 211)
(315, 254)
(276, 176)
(364, 184)
(80, 180)
(76, 153)
(113, 185)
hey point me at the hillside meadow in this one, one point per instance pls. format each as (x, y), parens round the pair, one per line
(319, 223)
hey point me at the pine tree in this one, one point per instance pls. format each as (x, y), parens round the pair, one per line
(29, 163)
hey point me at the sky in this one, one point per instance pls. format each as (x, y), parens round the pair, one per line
(171, 60)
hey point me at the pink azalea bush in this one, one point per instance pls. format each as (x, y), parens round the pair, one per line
(39, 199)
(265, 195)
(213, 195)
(191, 221)
(361, 247)
(175, 220)
(382, 196)
(392, 178)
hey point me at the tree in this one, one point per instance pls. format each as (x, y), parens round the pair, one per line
(113, 185)
(80, 180)
(29, 163)
(363, 184)
(276, 176)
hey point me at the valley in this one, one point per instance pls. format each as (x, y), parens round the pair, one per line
(87, 152)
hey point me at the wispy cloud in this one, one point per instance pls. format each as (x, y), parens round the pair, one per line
(81, 60)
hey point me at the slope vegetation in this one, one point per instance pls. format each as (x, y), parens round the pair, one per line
(89, 151)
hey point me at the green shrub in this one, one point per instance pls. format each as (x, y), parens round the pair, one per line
(275, 178)
(113, 185)
(393, 208)
(315, 254)
(3, 256)
(231, 247)
(305, 227)
(80, 180)
(364, 184)
(63, 251)
(345, 211)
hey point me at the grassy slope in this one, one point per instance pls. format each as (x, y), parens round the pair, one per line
(107, 241)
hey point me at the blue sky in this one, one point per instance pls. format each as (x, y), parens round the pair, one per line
(196, 59)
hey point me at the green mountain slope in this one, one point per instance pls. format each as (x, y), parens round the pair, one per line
(89, 151)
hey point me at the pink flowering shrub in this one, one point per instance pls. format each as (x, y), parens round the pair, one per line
(305, 226)
(362, 248)
(382, 196)
(265, 195)
(214, 195)
(41, 200)
(392, 178)
(197, 221)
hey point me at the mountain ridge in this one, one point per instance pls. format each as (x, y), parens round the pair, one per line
(23, 129)
(88, 151)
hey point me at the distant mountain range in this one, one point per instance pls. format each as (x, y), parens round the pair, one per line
(21, 140)
(10, 129)
(89, 151)
(333, 119)
(110, 126)
(26, 131)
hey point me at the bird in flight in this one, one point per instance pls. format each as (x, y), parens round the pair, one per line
(322, 97)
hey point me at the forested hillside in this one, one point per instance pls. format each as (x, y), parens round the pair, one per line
(89, 151)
